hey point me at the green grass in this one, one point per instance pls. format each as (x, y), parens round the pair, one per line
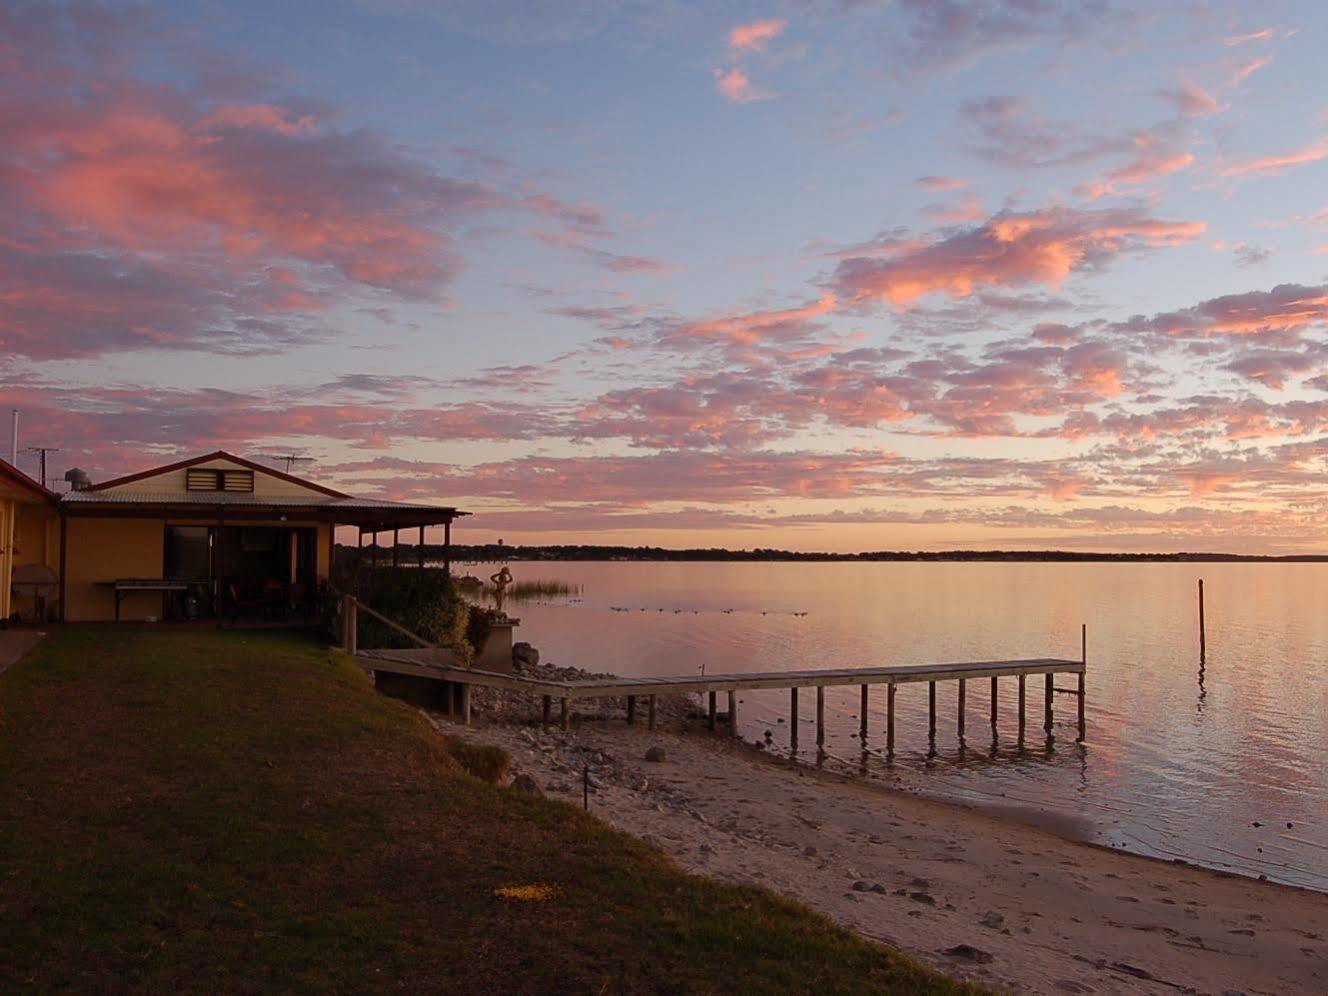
(207, 811)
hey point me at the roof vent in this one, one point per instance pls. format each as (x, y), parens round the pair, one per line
(78, 479)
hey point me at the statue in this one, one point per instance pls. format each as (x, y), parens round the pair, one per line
(500, 582)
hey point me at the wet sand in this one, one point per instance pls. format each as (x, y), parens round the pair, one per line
(982, 896)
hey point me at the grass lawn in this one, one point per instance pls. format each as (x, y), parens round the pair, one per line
(221, 811)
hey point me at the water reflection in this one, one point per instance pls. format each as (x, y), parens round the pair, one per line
(1158, 779)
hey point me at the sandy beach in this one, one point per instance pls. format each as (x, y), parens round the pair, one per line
(1003, 903)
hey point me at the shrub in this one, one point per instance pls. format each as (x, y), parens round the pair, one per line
(488, 763)
(424, 601)
(479, 624)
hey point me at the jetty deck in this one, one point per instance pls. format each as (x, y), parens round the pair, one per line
(430, 663)
(403, 672)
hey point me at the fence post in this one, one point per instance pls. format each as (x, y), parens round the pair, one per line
(350, 624)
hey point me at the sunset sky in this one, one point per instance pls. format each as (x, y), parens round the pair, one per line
(816, 275)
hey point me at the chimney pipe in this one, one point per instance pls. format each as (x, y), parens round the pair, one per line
(13, 443)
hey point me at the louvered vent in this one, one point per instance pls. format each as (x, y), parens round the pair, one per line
(207, 479)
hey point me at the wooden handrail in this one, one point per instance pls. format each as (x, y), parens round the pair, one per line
(397, 627)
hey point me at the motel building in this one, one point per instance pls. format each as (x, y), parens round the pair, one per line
(216, 536)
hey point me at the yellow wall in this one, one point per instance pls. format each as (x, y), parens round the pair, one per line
(8, 509)
(36, 541)
(107, 549)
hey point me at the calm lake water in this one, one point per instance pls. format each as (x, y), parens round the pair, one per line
(1226, 765)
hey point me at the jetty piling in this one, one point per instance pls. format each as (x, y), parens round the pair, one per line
(1083, 679)
(650, 710)
(1023, 694)
(994, 699)
(962, 690)
(862, 718)
(631, 709)
(793, 718)
(711, 718)
(890, 719)
(820, 716)
(931, 710)
(1047, 714)
(733, 713)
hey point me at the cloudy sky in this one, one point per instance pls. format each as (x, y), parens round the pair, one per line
(816, 275)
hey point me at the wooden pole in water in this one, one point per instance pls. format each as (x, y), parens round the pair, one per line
(793, 718)
(962, 695)
(631, 709)
(993, 703)
(862, 718)
(890, 719)
(1046, 706)
(1203, 635)
(548, 704)
(712, 712)
(566, 718)
(1022, 693)
(1083, 678)
(820, 715)
(931, 709)
(733, 714)
(650, 710)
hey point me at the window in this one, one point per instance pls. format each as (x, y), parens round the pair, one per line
(207, 479)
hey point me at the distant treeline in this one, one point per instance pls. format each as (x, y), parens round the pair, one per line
(491, 552)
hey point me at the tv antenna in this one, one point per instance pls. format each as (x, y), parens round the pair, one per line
(41, 451)
(290, 459)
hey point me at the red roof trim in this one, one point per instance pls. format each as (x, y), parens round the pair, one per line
(219, 455)
(12, 473)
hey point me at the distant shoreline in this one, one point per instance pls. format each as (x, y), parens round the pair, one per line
(493, 552)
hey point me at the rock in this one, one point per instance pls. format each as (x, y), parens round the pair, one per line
(860, 886)
(810, 852)
(970, 953)
(877, 887)
(524, 783)
(922, 897)
(657, 755)
(993, 920)
(524, 655)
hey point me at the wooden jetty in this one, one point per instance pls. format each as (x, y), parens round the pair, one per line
(424, 664)
(437, 665)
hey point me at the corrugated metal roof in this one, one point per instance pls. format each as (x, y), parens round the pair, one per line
(213, 498)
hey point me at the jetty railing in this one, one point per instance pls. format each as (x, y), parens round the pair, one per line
(418, 663)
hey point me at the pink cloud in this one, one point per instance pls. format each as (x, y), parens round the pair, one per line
(750, 328)
(735, 86)
(1286, 309)
(1152, 160)
(965, 211)
(140, 214)
(1263, 34)
(1009, 249)
(1272, 164)
(1248, 68)
(941, 183)
(1191, 99)
(755, 35)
